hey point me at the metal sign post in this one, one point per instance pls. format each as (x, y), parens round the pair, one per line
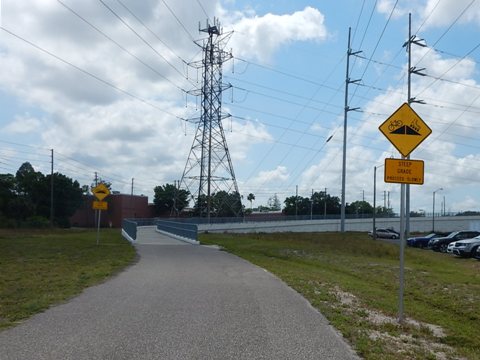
(100, 192)
(98, 227)
(405, 130)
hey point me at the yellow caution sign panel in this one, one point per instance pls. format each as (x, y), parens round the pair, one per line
(405, 129)
(100, 191)
(100, 205)
(404, 171)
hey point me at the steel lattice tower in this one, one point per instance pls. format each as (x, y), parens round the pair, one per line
(209, 169)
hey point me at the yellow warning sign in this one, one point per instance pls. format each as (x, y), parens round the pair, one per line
(405, 129)
(101, 191)
(404, 171)
(100, 205)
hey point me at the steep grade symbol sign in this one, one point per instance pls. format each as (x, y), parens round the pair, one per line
(405, 129)
(100, 191)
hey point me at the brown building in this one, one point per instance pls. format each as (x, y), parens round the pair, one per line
(120, 206)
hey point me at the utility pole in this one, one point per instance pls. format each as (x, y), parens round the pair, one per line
(296, 202)
(96, 211)
(173, 211)
(325, 205)
(131, 199)
(51, 191)
(347, 109)
(411, 70)
(385, 199)
(209, 168)
(311, 207)
(405, 189)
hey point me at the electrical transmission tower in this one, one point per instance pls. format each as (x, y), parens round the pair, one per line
(208, 173)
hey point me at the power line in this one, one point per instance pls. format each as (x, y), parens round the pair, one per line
(119, 45)
(203, 9)
(105, 82)
(178, 20)
(141, 37)
(151, 32)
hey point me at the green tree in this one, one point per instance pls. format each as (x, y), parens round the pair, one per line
(7, 192)
(222, 204)
(274, 203)
(28, 194)
(67, 198)
(359, 208)
(167, 197)
(29, 186)
(384, 212)
(296, 205)
(250, 198)
(321, 202)
(227, 204)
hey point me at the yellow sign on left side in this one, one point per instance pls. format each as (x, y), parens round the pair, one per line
(100, 205)
(100, 191)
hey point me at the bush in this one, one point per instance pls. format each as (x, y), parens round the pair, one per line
(37, 222)
(63, 222)
(7, 223)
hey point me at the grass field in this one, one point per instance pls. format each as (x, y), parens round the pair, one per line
(45, 267)
(353, 281)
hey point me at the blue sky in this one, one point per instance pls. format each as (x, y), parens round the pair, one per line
(288, 92)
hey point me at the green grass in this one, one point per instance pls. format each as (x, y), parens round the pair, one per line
(39, 268)
(353, 281)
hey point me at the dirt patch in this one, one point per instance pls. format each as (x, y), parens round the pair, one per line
(409, 340)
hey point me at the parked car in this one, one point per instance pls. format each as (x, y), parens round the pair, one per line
(385, 233)
(467, 247)
(477, 254)
(422, 241)
(450, 247)
(441, 244)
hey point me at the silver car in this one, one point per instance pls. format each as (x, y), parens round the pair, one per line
(466, 247)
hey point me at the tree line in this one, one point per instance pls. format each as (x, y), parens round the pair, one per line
(25, 198)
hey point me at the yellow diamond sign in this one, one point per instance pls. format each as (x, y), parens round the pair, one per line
(100, 191)
(405, 129)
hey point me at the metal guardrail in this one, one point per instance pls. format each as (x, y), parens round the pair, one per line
(186, 230)
(130, 227)
(189, 231)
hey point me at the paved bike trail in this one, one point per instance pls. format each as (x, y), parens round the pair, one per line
(179, 301)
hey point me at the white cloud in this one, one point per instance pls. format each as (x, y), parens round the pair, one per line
(241, 137)
(23, 124)
(260, 36)
(433, 13)
(444, 13)
(265, 177)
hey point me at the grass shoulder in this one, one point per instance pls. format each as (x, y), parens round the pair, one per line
(45, 267)
(353, 281)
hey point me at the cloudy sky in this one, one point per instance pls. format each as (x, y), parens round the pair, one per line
(104, 83)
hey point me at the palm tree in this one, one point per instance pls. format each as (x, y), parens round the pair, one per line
(250, 198)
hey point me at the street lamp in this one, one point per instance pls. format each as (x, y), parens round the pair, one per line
(433, 212)
(375, 199)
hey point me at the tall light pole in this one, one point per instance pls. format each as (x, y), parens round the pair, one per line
(433, 210)
(375, 199)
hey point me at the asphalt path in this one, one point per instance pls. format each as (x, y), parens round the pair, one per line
(179, 301)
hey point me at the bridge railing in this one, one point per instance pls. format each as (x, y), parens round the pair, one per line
(182, 229)
(129, 229)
